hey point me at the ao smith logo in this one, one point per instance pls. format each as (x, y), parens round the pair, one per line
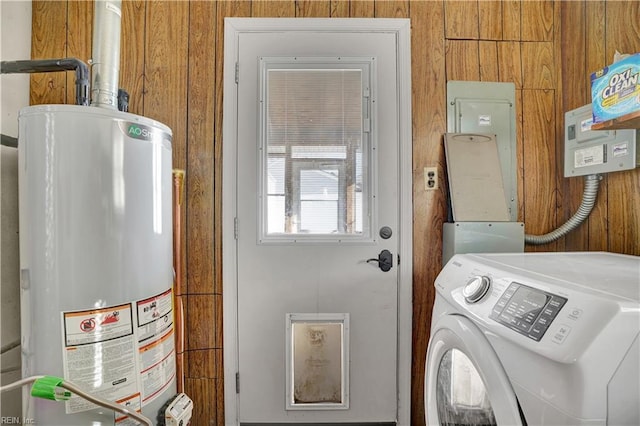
(140, 131)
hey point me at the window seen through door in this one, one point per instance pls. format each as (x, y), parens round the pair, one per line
(315, 149)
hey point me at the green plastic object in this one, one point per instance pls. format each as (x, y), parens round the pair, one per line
(47, 387)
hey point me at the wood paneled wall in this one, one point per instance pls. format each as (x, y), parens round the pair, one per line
(172, 54)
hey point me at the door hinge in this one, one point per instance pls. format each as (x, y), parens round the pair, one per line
(235, 228)
(237, 382)
(398, 259)
(237, 72)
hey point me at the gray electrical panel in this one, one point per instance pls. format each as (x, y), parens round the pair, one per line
(480, 148)
(588, 152)
(478, 203)
(488, 108)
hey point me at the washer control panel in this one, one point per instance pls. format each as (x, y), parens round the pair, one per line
(527, 310)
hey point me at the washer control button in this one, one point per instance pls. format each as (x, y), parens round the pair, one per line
(537, 332)
(575, 313)
(561, 333)
(476, 288)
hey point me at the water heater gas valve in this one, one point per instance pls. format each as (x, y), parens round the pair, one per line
(178, 413)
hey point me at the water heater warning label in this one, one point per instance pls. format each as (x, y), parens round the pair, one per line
(99, 354)
(120, 353)
(97, 325)
(156, 345)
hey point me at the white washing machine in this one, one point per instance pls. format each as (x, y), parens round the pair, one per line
(537, 339)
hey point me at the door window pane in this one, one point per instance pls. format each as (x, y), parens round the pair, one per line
(315, 150)
(275, 193)
(319, 200)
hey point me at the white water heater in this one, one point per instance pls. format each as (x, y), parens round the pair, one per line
(95, 190)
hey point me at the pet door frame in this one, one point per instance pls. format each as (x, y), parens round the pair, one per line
(319, 319)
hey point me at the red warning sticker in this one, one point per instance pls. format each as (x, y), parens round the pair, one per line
(97, 325)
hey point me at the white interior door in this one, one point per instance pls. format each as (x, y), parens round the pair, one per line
(317, 227)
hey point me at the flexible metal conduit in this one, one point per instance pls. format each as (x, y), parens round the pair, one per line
(53, 65)
(591, 184)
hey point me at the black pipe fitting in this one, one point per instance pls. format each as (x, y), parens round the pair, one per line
(53, 65)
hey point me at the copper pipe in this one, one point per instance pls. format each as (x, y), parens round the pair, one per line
(178, 185)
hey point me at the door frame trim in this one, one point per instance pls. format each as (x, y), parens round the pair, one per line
(233, 28)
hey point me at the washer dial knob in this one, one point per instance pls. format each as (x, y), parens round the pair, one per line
(476, 288)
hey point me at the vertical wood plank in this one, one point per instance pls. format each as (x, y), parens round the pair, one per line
(623, 35)
(537, 20)
(573, 46)
(313, 8)
(392, 9)
(219, 383)
(201, 156)
(510, 63)
(429, 207)
(217, 332)
(230, 9)
(200, 318)
(339, 9)
(48, 41)
(595, 40)
(203, 363)
(624, 212)
(563, 197)
(572, 41)
(622, 28)
(132, 53)
(538, 66)
(79, 36)
(203, 393)
(219, 371)
(595, 58)
(463, 62)
(490, 19)
(539, 154)
(512, 20)
(273, 9)
(597, 238)
(488, 60)
(461, 19)
(185, 317)
(166, 65)
(362, 9)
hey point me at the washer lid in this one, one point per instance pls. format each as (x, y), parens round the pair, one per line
(455, 336)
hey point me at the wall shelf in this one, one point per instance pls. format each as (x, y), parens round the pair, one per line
(627, 121)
